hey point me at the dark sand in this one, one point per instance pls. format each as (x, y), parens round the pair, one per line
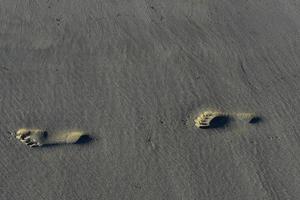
(133, 74)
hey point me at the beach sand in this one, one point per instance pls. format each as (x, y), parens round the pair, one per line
(134, 74)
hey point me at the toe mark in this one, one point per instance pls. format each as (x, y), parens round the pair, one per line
(30, 143)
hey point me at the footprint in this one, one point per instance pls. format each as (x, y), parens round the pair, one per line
(39, 137)
(216, 119)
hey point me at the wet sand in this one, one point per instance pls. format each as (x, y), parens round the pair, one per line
(134, 74)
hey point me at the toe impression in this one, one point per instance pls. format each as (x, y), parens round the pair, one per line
(30, 137)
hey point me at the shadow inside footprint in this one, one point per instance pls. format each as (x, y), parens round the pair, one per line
(255, 120)
(84, 139)
(219, 122)
(51, 145)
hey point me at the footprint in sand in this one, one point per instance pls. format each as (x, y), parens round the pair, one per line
(217, 119)
(39, 137)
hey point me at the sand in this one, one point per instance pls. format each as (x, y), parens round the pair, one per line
(133, 74)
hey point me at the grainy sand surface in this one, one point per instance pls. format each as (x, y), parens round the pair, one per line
(134, 74)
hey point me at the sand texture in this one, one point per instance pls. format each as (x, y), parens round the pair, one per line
(134, 74)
